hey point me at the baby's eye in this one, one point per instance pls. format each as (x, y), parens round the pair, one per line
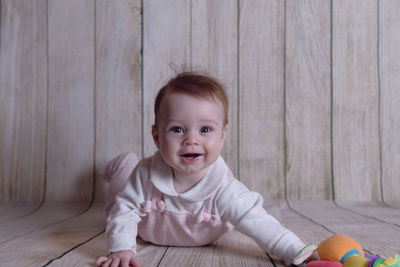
(206, 129)
(176, 129)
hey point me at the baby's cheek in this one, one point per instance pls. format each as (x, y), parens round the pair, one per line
(169, 140)
(214, 144)
(172, 145)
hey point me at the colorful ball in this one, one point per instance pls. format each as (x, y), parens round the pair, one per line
(338, 246)
(356, 261)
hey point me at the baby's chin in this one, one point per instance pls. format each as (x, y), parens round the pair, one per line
(190, 169)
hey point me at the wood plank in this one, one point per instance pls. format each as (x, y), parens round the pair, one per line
(305, 228)
(40, 247)
(118, 83)
(308, 100)
(355, 101)
(214, 49)
(393, 204)
(87, 253)
(71, 101)
(376, 237)
(261, 142)
(232, 249)
(166, 48)
(389, 58)
(378, 210)
(49, 213)
(14, 210)
(23, 87)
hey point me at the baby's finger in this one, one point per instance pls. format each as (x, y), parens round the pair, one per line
(101, 260)
(134, 263)
(106, 263)
(124, 262)
(115, 262)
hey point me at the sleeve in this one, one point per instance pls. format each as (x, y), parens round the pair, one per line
(244, 209)
(121, 228)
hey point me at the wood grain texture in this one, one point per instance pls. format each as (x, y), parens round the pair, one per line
(377, 237)
(394, 204)
(96, 105)
(389, 58)
(261, 101)
(377, 210)
(232, 249)
(43, 245)
(356, 161)
(23, 100)
(307, 230)
(14, 210)
(87, 253)
(166, 49)
(46, 215)
(118, 83)
(308, 95)
(71, 101)
(214, 48)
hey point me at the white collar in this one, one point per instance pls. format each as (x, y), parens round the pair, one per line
(162, 178)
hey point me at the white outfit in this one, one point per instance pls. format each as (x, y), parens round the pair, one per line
(150, 207)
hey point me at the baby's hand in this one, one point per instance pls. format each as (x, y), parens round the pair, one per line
(308, 253)
(123, 258)
(313, 257)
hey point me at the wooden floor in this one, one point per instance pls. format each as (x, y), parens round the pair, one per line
(60, 234)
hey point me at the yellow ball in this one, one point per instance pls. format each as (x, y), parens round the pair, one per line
(356, 261)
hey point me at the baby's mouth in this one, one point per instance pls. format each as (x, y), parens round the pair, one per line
(191, 155)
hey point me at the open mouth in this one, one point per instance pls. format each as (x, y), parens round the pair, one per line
(191, 155)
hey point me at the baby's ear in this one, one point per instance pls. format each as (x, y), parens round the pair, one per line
(155, 134)
(224, 131)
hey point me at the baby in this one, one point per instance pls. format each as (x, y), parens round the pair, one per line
(185, 194)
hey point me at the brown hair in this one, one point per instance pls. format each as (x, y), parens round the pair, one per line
(196, 85)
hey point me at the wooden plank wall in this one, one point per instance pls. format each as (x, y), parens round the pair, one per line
(313, 88)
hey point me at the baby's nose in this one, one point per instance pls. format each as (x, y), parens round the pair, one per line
(191, 140)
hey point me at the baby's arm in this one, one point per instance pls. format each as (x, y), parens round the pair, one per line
(121, 229)
(244, 209)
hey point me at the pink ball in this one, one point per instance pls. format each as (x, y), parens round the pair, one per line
(324, 264)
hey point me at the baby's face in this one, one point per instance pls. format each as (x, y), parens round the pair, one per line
(190, 132)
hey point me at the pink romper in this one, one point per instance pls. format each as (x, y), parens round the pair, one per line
(162, 226)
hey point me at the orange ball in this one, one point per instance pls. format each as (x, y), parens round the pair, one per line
(335, 247)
